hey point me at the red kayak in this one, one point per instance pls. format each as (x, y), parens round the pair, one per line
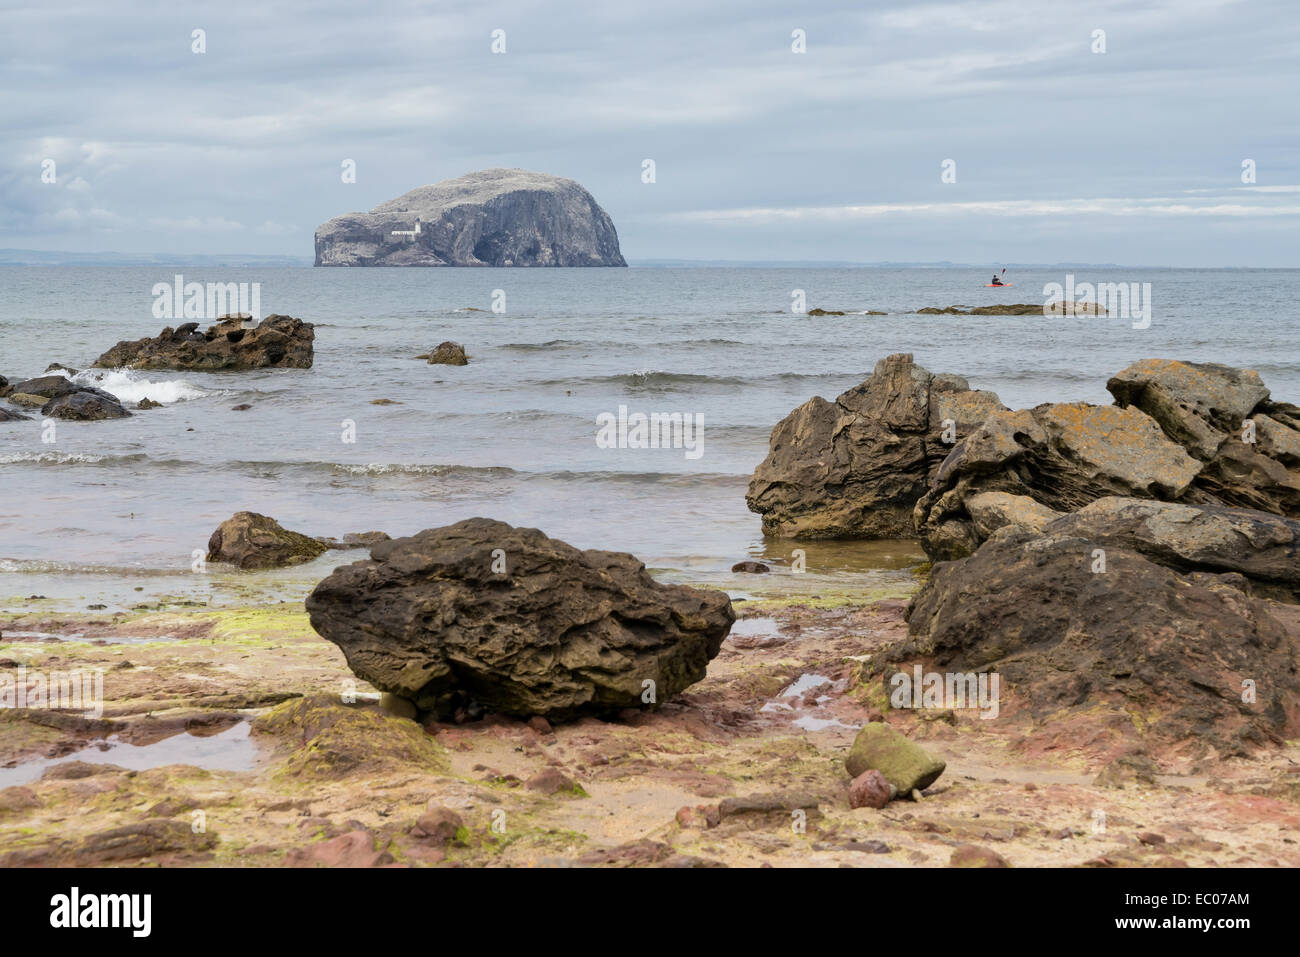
(996, 285)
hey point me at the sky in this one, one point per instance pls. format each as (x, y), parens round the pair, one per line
(1058, 152)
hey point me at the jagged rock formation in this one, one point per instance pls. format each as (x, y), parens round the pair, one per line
(482, 615)
(855, 467)
(277, 342)
(1173, 651)
(494, 217)
(249, 540)
(1196, 434)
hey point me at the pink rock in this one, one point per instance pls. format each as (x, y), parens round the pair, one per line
(870, 789)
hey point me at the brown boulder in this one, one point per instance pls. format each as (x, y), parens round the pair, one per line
(249, 540)
(1167, 650)
(855, 467)
(518, 623)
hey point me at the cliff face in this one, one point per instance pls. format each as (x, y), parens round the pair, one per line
(495, 217)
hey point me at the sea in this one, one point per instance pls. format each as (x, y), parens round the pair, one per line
(118, 513)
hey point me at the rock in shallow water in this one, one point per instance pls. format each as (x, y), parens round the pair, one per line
(516, 622)
(278, 342)
(855, 467)
(447, 354)
(87, 405)
(249, 540)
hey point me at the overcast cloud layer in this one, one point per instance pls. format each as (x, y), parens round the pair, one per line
(1062, 154)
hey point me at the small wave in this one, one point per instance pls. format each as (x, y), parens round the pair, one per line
(68, 458)
(131, 387)
(379, 468)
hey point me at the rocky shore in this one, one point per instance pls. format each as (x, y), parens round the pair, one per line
(1100, 667)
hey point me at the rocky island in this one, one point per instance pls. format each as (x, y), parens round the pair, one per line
(494, 217)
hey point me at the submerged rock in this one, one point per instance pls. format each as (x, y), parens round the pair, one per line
(494, 217)
(249, 540)
(855, 467)
(8, 415)
(278, 342)
(447, 354)
(516, 622)
(46, 386)
(85, 405)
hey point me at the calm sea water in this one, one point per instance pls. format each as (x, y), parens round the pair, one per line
(512, 435)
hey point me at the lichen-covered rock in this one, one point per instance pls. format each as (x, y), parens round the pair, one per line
(277, 342)
(494, 217)
(516, 622)
(1063, 456)
(249, 540)
(855, 467)
(1223, 417)
(325, 738)
(905, 764)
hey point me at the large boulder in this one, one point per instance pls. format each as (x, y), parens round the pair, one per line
(855, 467)
(249, 540)
(494, 217)
(277, 342)
(482, 614)
(1169, 651)
(1062, 456)
(1223, 417)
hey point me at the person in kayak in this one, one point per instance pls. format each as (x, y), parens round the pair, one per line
(996, 281)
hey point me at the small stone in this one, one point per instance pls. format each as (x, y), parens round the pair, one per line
(540, 724)
(1151, 839)
(972, 855)
(751, 568)
(551, 781)
(439, 825)
(870, 789)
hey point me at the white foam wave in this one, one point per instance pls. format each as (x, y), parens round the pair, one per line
(131, 387)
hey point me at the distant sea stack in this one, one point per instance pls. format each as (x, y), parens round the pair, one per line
(495, 217)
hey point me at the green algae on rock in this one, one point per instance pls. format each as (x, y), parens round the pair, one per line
(905, 764)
